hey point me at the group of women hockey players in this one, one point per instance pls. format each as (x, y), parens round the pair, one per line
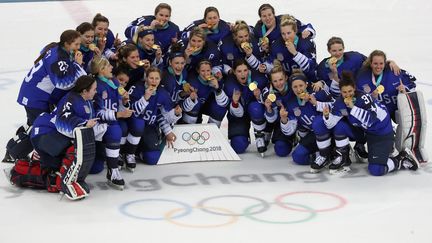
(132, 92)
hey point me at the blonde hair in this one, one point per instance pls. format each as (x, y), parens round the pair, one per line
(277, 68)
(239, 25)
(288, 20)
(198, 32)
(368, 61)
(296, 72)
(153, 69)
(97, 64)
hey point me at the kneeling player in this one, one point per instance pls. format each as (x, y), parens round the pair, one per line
(244, 88)
(373, 118)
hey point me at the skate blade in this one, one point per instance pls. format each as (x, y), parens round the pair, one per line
(9, 161)
(8, 175)
(316, 171)
(117, 187)
(130, 169)
(340, 171)
(262, 155)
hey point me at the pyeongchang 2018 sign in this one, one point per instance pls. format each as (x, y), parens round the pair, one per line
(198, 142)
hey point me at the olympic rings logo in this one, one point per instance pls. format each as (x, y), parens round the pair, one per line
(196, 137)
(143, 210)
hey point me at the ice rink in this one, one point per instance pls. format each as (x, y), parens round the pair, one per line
(251, 201)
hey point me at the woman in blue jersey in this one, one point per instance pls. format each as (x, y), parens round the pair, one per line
(153, 111)
(109, 104)
(196, 49)
(79, 112)
(267, 29)
(244, 87)
(87, 48)
(129, 60)
(207, 96)
(52, 135)
(330, 69)
(215, 28)
(54, 73)
(174, 77)
(276, 94)
(371, 116)
(377, 79)
(240, 45)
(104, 37)
(149, 48)
(165, 31)
(292, 51)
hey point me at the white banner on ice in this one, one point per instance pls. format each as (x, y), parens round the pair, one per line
(198, 142)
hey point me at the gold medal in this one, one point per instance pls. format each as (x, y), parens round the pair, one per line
(303, 95)
(272, 97)
(92, 47)
(333, 60)
(121, 91)
(380, 89)
(252, 86)
(348, 100)
(264, 40)
(209, 78)
(141, 63)
(245, 45)
(155, 47)
(187, 87)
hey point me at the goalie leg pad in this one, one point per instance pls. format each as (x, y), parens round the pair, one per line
(77, 164)
(411, 131)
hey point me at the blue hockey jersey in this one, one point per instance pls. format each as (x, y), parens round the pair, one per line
(158, 103)
(351, 61)
(260, 29)
(213, 35)
(305, 59)
(166, 35)
(73, 111)
(365, 82)
(230, 52)
(107, 100)
(173, 84)
(49, 79)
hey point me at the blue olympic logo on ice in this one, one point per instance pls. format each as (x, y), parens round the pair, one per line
(148, 209)
(196, 137)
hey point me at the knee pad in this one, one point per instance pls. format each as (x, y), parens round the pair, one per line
(256, 111)
(151, 157)
(282, 148)
(113, 134)
(300, 155)
(319, 127)
(377, 169)
(239, 144)
(97, 167)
